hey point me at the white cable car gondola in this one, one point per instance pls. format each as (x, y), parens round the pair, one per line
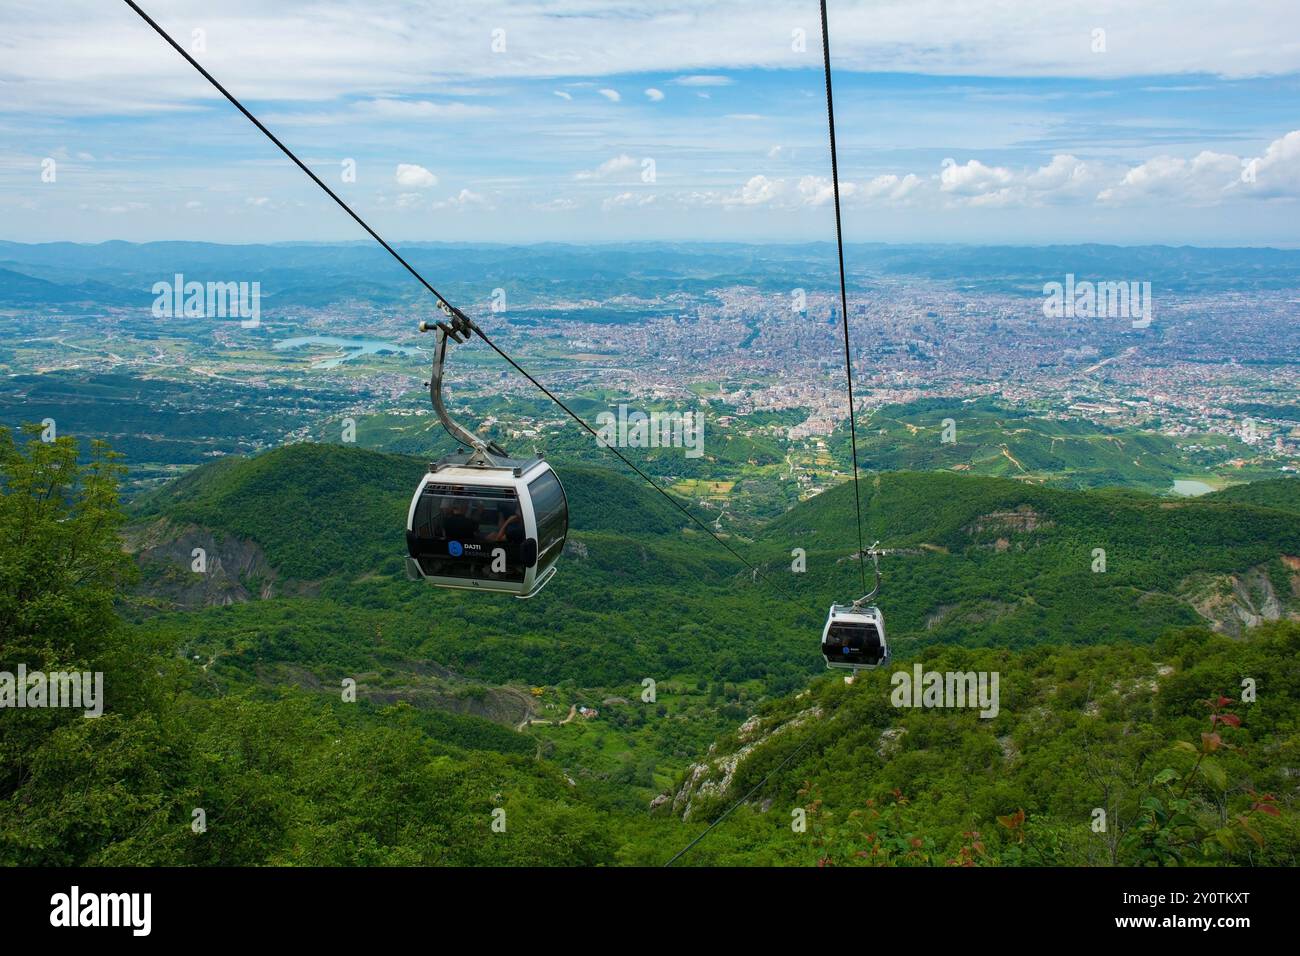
(854, 636)
(482, 520)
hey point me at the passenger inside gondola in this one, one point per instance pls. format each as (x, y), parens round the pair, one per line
(455, 523)
(854, 644)
(510, 524)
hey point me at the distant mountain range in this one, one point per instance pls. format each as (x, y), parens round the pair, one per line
(121, 274)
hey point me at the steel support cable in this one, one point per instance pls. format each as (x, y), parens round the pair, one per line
(844, 299)
(853, 431)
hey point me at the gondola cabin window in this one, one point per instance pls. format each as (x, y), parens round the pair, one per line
(552, 513)
(462, 529)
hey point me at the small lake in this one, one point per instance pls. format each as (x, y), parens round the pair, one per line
(350, 348)
(1191, 488)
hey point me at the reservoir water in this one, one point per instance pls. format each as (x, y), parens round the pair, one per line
(1191, 488)
(350, 348)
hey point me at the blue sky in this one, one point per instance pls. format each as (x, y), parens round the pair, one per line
(572, 120)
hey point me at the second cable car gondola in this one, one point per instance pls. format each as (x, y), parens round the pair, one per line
(854, 636)
(481, 520)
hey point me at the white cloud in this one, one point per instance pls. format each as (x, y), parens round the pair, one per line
(757, 191)
(1209, 177)
(419, 109)
(1206, 178)
(610, 167)
(654, 95)
(611, 95)
(1062, 172)
(760, 189)
(744, 117)
(789, 195)
(627, 200)
(997, 199)
(466, 197)
(563, 95)
(1201, 180)
(891, 187)
(701, 79)
(887, 188)
(1065, 178)
(118, 209)
(818, 190)
(973, 178)
(411, 175)
(108, 62)
(1277, 172)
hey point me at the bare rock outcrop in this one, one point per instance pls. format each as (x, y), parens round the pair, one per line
(713, 776)
(186, 567)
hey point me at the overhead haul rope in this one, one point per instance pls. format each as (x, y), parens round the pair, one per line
(853, 431)
(456, 315)
(844, 298)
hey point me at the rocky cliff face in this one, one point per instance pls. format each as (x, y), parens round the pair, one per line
(1023, 520)
(713, 776)
(1232, 603)
(233, 570)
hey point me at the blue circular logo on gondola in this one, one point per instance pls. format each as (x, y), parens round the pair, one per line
(455, 549)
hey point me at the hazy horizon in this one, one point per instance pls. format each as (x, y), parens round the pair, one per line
(490, 243)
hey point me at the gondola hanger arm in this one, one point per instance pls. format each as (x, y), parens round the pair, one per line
(458, 330)
(874, 551)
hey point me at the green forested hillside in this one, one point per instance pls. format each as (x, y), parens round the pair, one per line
(275, 776)
(1280, 493)
(975, 560)
(630, 598)
(990, 561)
(241, 709)
(325, 510)
(1122, 729)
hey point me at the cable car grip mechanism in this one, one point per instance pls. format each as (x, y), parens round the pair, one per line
(458, 330)
(874, 551)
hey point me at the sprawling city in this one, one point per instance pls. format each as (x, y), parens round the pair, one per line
(1200, 395)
